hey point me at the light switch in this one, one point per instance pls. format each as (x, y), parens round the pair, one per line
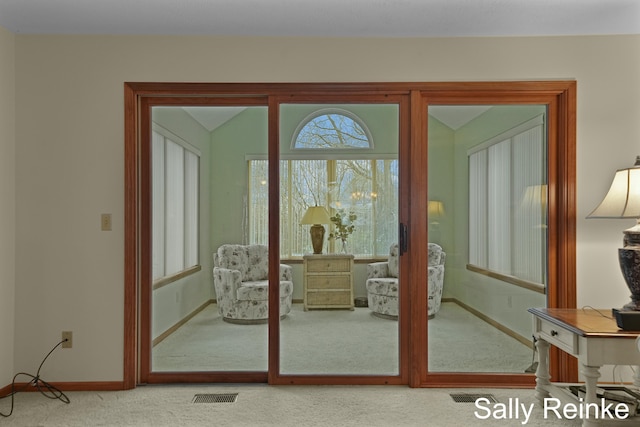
(105, 222)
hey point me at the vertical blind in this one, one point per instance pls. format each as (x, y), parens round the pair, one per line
(175, 220)
(508, 203)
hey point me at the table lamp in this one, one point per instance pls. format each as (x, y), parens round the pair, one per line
(316, 215)
(623, 201)
(435, 210)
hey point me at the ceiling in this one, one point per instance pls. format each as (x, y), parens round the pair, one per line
(452, 116)
(334, 18)
(212, 117)
(331, 18)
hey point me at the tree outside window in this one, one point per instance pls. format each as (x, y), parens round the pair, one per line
(325, 175)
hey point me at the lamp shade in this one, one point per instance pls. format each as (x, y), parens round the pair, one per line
(535, 198)
(435, 209)
(316, 215)
(623, 198)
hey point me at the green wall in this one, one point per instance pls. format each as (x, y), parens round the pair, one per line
(247, 135)
(175, 301)
(498, 300)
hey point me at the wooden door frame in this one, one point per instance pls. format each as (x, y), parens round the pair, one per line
(413, 328)
(560, 99)
(400, 98)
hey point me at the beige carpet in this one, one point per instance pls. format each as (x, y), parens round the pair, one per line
(338, 342)
(282, 406)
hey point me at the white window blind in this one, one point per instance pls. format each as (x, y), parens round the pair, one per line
(175, 191)
(508, 203)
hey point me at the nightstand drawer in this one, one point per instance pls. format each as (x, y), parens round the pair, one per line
(334, 265)
(558, 336)
(331, 298)
(329, 282)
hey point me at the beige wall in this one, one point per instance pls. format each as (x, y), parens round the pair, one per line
(7, 205)
(69, 151)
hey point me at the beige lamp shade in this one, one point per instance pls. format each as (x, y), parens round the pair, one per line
(623, 198)
(535, 197)
(435, 209)
(316, 215)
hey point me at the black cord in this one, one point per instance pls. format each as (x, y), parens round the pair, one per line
(597, 311)
(46, 389)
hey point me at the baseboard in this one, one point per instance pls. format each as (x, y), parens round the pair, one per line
(4, 391)
(526, 341)
(69, 386)
(184, 320)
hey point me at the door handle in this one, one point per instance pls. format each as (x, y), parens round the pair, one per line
(404, 238)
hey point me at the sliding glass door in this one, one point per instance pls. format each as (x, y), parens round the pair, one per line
(339, 201)
(333, 233)
(201, 253)
(488, 197)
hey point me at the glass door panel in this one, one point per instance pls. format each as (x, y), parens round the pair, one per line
(487, 210)
(209, 298)
(338, 231)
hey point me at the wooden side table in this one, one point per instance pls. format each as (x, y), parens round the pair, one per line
(328, 281)
(590, 337)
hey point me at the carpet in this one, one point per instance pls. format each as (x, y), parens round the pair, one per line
(276, 406)
(338, 342)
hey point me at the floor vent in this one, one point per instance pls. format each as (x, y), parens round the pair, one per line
(215, 398)
(471, 398)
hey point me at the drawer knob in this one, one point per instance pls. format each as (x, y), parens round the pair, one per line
(554, 333)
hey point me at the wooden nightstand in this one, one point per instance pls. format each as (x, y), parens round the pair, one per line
(328, 281)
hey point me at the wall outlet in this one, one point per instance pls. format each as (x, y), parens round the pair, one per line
(68, 336)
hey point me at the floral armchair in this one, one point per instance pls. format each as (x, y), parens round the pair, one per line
(382, 283)
(240, 279)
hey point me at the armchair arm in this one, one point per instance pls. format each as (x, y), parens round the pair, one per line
(436, 275)
(286, 273)
(226, 282)
(377, 269)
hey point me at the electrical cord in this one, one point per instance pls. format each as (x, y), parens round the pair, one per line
(46, 389)
(597, 311)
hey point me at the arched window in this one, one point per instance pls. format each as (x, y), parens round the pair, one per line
(332, 128)
(332, 164)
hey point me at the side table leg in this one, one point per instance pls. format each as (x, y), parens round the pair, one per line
(542, 372)
(636, 377)
(591, 375)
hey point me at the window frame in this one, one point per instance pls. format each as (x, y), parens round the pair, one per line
(325, 112)
(331, 162)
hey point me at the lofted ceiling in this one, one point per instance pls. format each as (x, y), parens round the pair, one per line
(452, 116)
(212, 117)
(332, 18)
